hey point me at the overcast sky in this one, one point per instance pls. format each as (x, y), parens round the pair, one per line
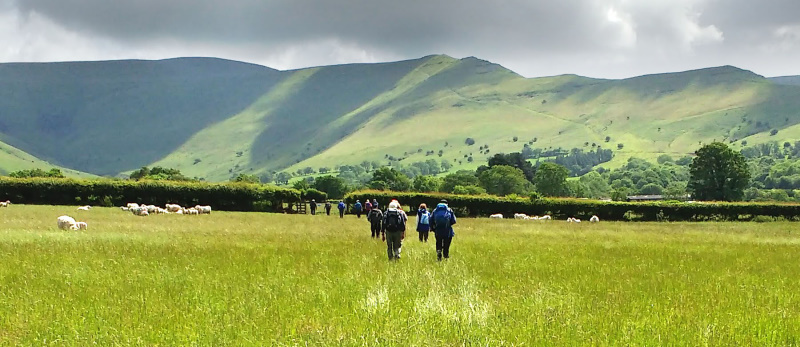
(597, 38)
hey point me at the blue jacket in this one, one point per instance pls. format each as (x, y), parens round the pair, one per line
(423, 227)
(447, 232)
(357, 207)
(341, 205)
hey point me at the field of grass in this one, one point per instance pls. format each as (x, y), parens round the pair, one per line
(270, 279)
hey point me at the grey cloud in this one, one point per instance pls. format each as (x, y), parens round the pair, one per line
(595, 37)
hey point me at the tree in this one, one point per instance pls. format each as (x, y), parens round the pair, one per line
(718, 173)
(282, 178)
(301, 185)
(469, 190)
(516, 160)
(503, 180)
(469, 141)
(664, 158)
(335, 187)
(551, 179)
(54, 173)
(388, 178)
(458, 178)
(595, 186)
(426, 183)
(246, 178)
(267, 177)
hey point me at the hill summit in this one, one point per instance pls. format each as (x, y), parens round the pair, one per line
(215, 118)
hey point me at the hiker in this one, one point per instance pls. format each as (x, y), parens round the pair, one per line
(341, 207)
(375, 203)
(367, 207)
(423, 222)
(357, 208)
(375, 219)
(393, 230)
(328, 208)
(313, 206)
(442, 219)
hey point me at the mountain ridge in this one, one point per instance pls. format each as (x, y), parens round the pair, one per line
(215, 118)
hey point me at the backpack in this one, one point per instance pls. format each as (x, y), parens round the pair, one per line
(423, 218)
(393, 221)
(357, 207)
(341, 205)
(441, 217)
(375, 216)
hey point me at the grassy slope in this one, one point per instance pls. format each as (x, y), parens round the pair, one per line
(271, 279)
(107, 117)
(12, 159)
(241, 118)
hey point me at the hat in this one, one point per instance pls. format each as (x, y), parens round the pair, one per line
(444, 201)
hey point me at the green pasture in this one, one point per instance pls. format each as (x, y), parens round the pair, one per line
(270, 279)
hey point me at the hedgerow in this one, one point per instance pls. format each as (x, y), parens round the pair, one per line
(484, 205)
(222, 196)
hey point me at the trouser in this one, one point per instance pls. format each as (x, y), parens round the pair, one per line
(313, 211)
(423, 236)
(443, 246)
(341, 213)
(358, 214)
(376, 229)
(328, 211)
(394, 241)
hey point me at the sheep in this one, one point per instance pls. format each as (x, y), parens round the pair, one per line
(594, 219)
(173, 207)
(192, 210)
(203, 209)
(132, 205)
(84, 208)
(520, 216)
(67, 222)
(5, 203)
(545, 217)
(497, 216)
(124, 208)
(573, 220)
(140, 211)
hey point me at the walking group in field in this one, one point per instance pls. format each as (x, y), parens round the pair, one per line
(391, 225)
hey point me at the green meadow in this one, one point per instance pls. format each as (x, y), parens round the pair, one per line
(270, 279)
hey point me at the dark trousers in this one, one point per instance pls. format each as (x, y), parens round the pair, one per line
(358, 214)
(423, 236)
(341, 213)
(394, 242)
(313, 211)
(376, 229)
(443, 246)
(328, 210)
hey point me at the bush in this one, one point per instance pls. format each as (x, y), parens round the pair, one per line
(763, 219)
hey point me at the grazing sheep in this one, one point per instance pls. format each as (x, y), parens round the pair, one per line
(203, 209)
(191, 210)
(545, 217)
(67, 222)
(173, 207)
(5, 203)
(573, 220)
(139, 211)
(132, 205)
(594, 219)
(497, 216)
(84, 208)
(520, 216)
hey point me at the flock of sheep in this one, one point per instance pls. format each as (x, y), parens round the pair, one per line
(523, 216)
(146, 210)
(69, 223)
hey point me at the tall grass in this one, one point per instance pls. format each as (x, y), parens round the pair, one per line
(269, 279)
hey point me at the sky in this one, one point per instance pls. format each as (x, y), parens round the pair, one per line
(595, 38)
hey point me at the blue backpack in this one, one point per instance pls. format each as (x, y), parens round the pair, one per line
(441, 217)
(341, 205)
(423, 218)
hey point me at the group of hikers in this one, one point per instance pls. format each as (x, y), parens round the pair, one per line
(390, 225)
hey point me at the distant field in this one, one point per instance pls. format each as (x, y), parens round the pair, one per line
(270, 279)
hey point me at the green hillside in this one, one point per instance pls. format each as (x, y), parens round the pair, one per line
(214, 118)
(786, 80)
